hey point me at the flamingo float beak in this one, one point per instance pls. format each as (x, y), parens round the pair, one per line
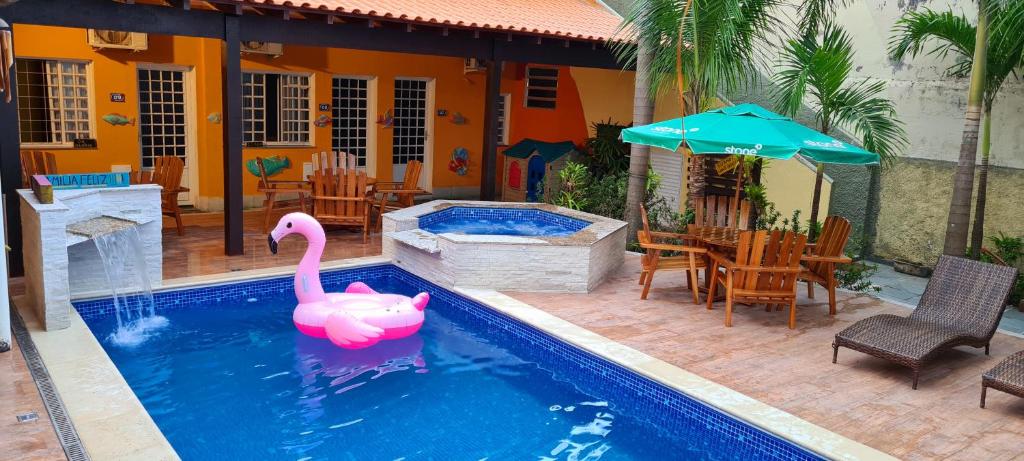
(272, 243)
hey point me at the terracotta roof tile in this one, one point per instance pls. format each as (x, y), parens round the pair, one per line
(579, 19)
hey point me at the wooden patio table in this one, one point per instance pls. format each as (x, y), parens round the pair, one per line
(726, 239)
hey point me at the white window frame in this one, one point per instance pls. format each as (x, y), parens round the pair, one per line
(504, 118)
(281, 109)
(526, 87)
(371, 120)
(90, 97)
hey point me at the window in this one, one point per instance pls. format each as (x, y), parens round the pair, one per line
(162, 117)
(503, 105)
(409, 133)
(349, 102)
(275, 108)
(53, 101)
(541, 87)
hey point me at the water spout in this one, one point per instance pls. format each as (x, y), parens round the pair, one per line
(124, 262)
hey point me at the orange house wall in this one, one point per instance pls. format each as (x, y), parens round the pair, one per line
(114, 71)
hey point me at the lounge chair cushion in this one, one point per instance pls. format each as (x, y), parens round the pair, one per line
(900, 338)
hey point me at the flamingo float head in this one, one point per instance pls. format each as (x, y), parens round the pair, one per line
(297, 223)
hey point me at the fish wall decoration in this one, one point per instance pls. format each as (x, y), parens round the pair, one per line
(118, 119)
(214, 118)
(272, 165)
(322, 121)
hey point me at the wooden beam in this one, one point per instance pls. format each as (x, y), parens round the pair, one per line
(105, 14)
(231, 91)
(10, 175)
(489, 163)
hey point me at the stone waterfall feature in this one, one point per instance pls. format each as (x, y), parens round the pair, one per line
(62, 261)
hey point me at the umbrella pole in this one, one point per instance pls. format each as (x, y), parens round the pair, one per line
(739, 182)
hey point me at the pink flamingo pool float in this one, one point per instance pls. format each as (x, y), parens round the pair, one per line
(357, 318)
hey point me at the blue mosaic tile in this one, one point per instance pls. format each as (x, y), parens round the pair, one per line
(668, 411)
(502, 214)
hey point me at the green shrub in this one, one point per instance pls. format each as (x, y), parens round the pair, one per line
(1010, 250)
(605, 153)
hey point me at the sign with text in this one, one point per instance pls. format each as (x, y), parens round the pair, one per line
(89, 180)
(325, 107)
(727, 164)
(116, 97)
(85, 143)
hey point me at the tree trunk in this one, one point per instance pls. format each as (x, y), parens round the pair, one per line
(819, 175)
(639, 155)
(978, 233)
(963, 179)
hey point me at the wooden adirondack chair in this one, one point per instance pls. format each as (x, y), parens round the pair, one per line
(820, 262)
(36, 162)
(765, 271)
(397, 195)
(719, 211)
(692, 259)
(340, 197)
(167, 171)
(270, 188)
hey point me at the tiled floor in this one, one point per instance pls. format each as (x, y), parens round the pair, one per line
(866, 399)
(34, 440)
(201, 250)
(907, 289)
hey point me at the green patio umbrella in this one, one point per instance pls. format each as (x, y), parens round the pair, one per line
(748, 129)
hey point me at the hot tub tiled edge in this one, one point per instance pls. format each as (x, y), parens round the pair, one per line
(574, 263)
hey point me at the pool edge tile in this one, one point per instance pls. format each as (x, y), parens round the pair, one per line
(747, 409)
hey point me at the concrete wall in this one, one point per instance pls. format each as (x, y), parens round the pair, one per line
(915, 192)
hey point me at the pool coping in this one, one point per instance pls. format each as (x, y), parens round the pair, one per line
(105, 436)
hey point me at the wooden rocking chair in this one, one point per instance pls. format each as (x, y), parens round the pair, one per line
(340, 197)
(765, 271)
(398, 195)
(167, 171)
(820, 262)
(719, 211)
(36, 162)
(691, 259)
(270, 188)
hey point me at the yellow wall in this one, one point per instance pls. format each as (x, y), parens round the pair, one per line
(113, 71)
(790, 184)
(606, 94)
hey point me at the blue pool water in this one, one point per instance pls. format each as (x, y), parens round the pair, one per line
(500, 221)
(231, 378)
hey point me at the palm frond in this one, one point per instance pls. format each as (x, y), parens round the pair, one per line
(946, 32)
(720, 40)
(863, 109)
(814, 67)
(816, 13)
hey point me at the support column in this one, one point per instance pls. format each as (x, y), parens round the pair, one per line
(489, 165)
(231, 89)
(10, 172)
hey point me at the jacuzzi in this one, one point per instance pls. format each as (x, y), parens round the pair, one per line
(504, 246)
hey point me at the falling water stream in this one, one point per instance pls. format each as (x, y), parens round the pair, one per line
(124, 262)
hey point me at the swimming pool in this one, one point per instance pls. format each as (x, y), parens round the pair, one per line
(232, 378)
(500, 221)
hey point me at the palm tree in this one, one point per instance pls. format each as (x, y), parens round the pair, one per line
(816, 68)
(952, 34)
(700, 46)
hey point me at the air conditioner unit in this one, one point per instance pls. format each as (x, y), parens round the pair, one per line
(472, 65)
(115, 39)
(272, 49)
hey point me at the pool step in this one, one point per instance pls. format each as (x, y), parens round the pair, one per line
(416, 238)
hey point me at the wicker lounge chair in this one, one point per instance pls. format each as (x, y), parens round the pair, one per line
(1008, 377)
(961, 306)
